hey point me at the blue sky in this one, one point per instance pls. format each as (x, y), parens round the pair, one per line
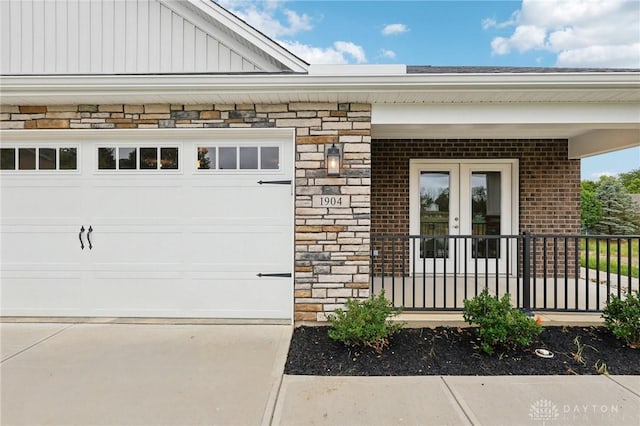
(548, 33)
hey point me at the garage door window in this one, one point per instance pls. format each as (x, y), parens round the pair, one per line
(129, 158)
(39, 158)
(238, 158)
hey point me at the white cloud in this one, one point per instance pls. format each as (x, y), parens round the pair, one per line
(275, 20)
(264, 16)
(492, 23)
(357, 52)
(386, 53)
(342, 52)
(601, 33)
(601, 56)
(393, 29)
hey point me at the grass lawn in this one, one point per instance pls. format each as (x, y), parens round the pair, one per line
(597, 255)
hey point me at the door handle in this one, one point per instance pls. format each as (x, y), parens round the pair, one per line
(80, 237)
(89, 237)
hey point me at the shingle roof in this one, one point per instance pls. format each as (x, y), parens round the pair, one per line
(428, 69)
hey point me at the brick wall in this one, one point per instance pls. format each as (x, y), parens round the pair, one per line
(549, 181)
(549, 201)
(332, 243)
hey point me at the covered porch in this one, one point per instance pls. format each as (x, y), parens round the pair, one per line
(485, 193)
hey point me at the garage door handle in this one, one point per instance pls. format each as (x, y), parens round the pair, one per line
(80, 236)
(283, 275)
(89, 237)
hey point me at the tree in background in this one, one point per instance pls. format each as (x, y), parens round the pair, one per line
(590, 208)
(631, 181)
(607, 206)
(617, 209)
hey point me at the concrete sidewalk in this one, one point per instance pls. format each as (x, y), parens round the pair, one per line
(459, 400)
(149, 374)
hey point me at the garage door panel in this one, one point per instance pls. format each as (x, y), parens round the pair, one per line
(225, 203)
(196, 298)
(138, 249)
(136, 202)
(251, 298)
(248, 248)
(135, 241)
(26, 244)
(42, 293)
(23, 200)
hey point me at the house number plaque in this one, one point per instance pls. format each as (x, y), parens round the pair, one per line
(332, 201)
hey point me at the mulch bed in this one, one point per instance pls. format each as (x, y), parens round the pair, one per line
(454, 351)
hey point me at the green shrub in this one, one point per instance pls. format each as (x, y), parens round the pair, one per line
(499, 324)
(365, 323)
(622, 317)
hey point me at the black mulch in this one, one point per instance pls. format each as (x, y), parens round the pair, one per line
(454, 351)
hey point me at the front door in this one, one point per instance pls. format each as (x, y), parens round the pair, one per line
(453, 206)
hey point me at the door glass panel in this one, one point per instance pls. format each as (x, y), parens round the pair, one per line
(127, 158)
(148, 158)
(47, 159)
(486, 206)
(106, 158)
(27, 158)
(228, 158)
(169, 158)
(269, 158)
(206, 158)
(434, 213)
(249, 158)
(68, 159)
(7, 158)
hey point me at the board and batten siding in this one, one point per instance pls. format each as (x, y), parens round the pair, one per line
(116, 36)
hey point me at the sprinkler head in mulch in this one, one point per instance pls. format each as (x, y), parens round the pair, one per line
(543, 353)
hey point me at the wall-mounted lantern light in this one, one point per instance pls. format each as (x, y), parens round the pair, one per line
(333, 161)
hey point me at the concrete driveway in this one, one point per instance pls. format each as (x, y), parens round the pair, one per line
(90, 374)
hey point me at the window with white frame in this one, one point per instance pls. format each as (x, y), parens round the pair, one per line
(226, 158)
(36, 158)
(140, 158)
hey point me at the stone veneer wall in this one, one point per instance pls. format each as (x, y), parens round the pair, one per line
(331, 244)
(549, 182)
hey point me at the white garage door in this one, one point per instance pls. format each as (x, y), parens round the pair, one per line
(172, 224)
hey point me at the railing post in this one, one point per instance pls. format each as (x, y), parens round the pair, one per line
(526, 272)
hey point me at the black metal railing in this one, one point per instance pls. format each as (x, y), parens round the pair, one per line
(541, 272)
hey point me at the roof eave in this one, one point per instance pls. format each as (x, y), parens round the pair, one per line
(276, 87)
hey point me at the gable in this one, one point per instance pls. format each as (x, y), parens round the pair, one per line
(133, 37)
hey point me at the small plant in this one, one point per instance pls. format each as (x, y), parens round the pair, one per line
(365, 323)
(499, 323)
(578, 355)
(601, 368)
(622, 317)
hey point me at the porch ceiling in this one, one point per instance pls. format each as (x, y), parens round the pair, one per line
(584, 140)
(590, 128)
